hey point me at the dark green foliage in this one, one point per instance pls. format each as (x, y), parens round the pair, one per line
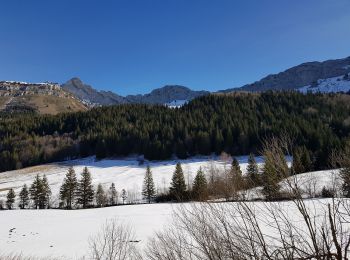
(253, 177)
(101, 199)
(10, 198)
(85, 191)
(301, 160)
(178, 185)
(68, 188)
(112, 195)
(148, 190)
(200, 187)
(40, 192)
(234, 123)
(327, 193)
(24, 197)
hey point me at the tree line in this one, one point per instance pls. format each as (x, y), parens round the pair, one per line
(235, 124)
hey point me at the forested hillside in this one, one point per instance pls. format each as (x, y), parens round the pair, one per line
(234, 123)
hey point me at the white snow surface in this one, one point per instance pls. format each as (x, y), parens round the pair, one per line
(126, 173)
(329, 85)
(176, 103)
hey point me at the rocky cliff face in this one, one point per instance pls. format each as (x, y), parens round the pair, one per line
(162, 95)
(299, 76)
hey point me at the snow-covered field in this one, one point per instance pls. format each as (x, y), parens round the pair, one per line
(125, 173)
(65, 234)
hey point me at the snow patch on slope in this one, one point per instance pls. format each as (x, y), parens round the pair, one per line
(335, 84)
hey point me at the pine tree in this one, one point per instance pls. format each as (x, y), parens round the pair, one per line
(101, 199)
(200, 186)
(85, 191)
(124, 195)
(24, 197)
(68, 188)
(10, 199)
(45, 195)
(112, 195)
(178, 185)
(297, 165)
(148, 190)
(236, 178)
(35, 191)
(253, 171)
(270, 179)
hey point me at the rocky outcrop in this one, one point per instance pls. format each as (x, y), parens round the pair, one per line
(299, 76)
(162, 95)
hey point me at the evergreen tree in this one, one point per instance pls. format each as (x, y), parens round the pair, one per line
(236, 178)
(45, 194)
(178, 185)
(35, 191)
(69, 188)
(297, 165)
(85, 191)
(270, 179)
(101, 199)
(112, 195)
(253, 171)
(200, 186)
(24, 197)
(124, 195)
(148, 190)
(10, 198)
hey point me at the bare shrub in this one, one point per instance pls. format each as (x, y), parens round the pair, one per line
(115, 241)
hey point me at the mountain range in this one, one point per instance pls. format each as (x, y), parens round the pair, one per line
(75, 95)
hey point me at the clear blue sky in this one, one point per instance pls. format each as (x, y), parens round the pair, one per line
(135, 46)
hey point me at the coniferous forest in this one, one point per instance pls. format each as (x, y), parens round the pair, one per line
(235, 124)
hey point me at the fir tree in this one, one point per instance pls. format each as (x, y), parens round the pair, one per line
(45, 194)
(236, 178)
(24, 197)
(85, 191)
(68, 188)
(35, 191)
(101, 199)
(148, 190)
(270, 179)
(200, 186)
(124, 195)
(178, 185)
(10, 198)
(112, 195)
(253, 171)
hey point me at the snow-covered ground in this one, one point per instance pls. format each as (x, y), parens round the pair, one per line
(177, 103)
(335, 84)
(125, 173)
(65, 234)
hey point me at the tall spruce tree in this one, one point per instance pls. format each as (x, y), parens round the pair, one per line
(85, 191)
(69, 188)
(253, 171)
(101, 199)
(236, 178)
(35, 191)
(178, 185)
(46, 194)
(112, 195)
(345, 170)
(200, 186)
(10, 198)
(148, 190)
(272, 174)
(24, 197)
(124, 195)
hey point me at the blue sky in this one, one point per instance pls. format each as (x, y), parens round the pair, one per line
(135, 46)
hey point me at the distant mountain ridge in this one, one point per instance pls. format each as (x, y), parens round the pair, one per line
(299, 76)
(166, 94)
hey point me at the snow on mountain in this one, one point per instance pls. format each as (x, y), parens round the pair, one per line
(176, 103)
(329, 85)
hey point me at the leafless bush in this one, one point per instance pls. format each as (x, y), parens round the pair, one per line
(115, 241)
